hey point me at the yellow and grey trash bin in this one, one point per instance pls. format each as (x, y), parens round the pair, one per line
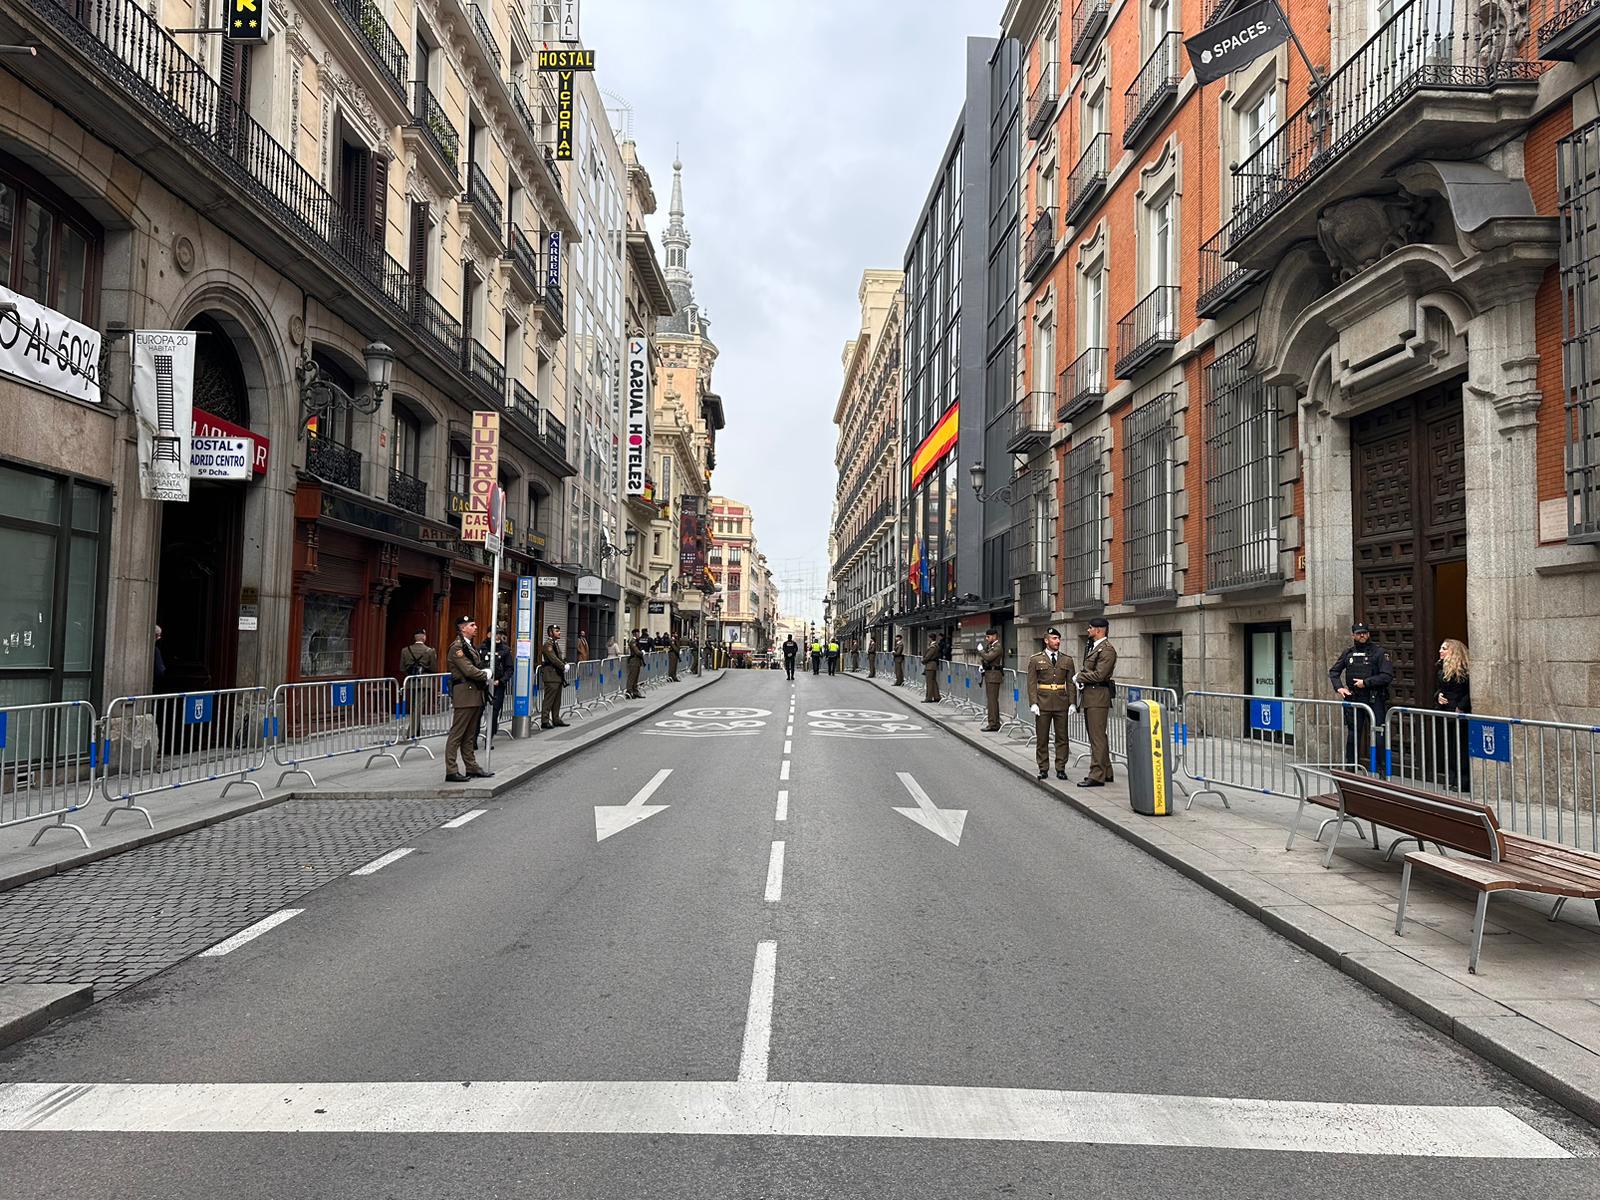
(1150, 789)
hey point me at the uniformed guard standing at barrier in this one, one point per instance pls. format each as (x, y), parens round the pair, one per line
(855, 654)
(1052, 696)
(672, 658)
(993, 657)
(552, 678)
(416, 659)
(635, 652)
(1096, 682)
(1363, 674)
(872, 657)
(469, 692)
(899, 660)
(930, 670)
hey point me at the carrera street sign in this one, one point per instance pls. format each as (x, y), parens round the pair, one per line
(1237, 40)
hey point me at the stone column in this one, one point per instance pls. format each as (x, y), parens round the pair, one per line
(1329, 540)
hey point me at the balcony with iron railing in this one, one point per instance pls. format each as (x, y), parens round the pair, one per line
(1032, 422)
(1088, 22)
(408, 492)
(1222, 281)
(1564, 27)
(486, 372)
(525, 113)
(484, 205)
(485, 35)
(438, 329)
(1082, 385)
(1039, 249)
(1434, 81)
(437, 133)
(1043, 99)
(333, 463)
(524, 264)
(554, 432)
(365, 19)
(1155, 85)
(522, 410)
(1087, 183)
(553, 310)
(1148, 331)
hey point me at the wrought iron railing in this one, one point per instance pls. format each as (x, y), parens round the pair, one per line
(1088, 19)
(482, 196)
(553, 164)
(435, 125)
(365, 18)
(1088, 178)
(1149, 328)
(1041, 244)
(523, 256)
(1222, 281)
(137, 57)
(438, 327)
(1434, 44)
(555, 305)
(1042, 100)
(525, 113)
(333, 463)
(1147, 534)
(1082, 384)
(408, 492)
(554, 431)
(1032, 420)
(485, 370)
(521, 400)
(480, 26)
(1156, 83)
(1560, 16)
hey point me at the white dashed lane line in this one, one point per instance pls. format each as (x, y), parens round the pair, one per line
(775, 874)
(783, 806)
(757, 1048)
(379, 864)
(251, 933)
(464, 818)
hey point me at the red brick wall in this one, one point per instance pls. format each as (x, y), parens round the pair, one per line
(1539, 161)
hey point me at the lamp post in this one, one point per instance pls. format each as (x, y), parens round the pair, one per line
(978, 474)
(321, 396)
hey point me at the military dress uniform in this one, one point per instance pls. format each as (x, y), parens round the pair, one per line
(635, 665)
(872, 658)
(552, 678)
(1095, 684)
(855, 654)
(993, 658)
(899, 662)
(930, 671)
(672, 659)
(1052, 690)
(469, 692)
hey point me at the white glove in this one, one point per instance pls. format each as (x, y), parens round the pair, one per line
(1071, 708)
(1034, 709)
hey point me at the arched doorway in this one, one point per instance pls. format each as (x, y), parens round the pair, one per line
(202, 542)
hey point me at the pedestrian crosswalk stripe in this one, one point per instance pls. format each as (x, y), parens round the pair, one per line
(755, 1107)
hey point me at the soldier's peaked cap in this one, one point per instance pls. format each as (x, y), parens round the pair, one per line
(460, 621)
(1052, 632)
(1099, 623)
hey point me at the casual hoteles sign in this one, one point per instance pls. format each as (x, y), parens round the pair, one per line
(1237, 40)
(638, 411)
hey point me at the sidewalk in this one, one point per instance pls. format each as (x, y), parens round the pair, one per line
(419, 777)
(1534, 1010)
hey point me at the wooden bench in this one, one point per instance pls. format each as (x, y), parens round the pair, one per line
(1418, 816)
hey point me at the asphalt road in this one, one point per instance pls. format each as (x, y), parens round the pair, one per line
(884, 1007)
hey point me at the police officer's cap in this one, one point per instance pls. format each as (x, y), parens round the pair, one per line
(1358, 627)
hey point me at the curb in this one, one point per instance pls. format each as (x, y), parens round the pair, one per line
(26, 1008)
(1550, 1064)
(498, 788)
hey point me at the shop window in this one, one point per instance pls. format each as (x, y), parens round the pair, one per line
(1166, 661)
(327, 642)
(48, 251)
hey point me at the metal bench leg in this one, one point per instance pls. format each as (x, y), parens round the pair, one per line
(1559, 904)
(1388, 855)
(1405, 891)
(1477, 932)
(1295, 827)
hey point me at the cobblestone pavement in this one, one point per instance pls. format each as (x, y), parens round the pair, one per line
(118, 921)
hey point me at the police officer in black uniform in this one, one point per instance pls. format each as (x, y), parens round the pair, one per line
(1362, 675)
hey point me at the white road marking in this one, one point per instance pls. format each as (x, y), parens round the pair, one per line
(252, 933)
(788, 747)
(755, 1107)
(464, 818)
(614, 818)
(783, 806)
(378, 864)
(775, 874)
(946, 822)
(789, 732)
(783, 773)
(758, 1017)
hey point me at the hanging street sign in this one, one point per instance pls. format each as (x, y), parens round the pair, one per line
(1237, 40)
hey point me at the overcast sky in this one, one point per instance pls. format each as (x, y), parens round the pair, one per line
(810, 134)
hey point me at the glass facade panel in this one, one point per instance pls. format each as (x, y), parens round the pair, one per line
(38, 233)
(8, 224)
(82, 581)
(26, 587)
(72, 274)
(327, 642)
(29, 496)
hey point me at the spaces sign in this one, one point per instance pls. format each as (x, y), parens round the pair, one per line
(1237, 40)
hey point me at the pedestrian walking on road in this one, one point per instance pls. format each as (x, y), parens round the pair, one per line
(872, 657)
(583, 646)
(791, 651)
(416, 659)
(930, 670)
(1452, 693)
(635, 665)
(1362, 674)
(993, 657)
(1096, 682)
(469, 692)
(552, 678)
(899, 660)
(672, 658)
(1052, 698)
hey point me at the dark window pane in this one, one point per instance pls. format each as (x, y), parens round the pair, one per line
(72, 274)
(29, 496)
(26, 587)
(82, 570)
(86, 507)
(8, 221)
(37, 231)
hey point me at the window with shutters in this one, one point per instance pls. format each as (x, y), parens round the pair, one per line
(1081, 546)
(1241, 436)
(49, 251)
(1579, 175)
(1147, 501)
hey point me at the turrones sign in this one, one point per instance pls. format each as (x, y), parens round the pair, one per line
(1237, 40)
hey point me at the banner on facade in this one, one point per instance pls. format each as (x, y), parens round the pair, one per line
(41, 346)
(638, 446)
(483, 476)
(1237, 40)
(939, 442)
(691, 542)
(220, 457)
(163, 406)
(569, 21)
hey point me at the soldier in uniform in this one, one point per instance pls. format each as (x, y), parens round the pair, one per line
(635, 652)
(993, 657)
(930, 670)
(872, 657)
(469, 692)
(855, 654)
(672, 658)
(899, 660)
(1052, 698)
(1095, 684)
(552, 678)
(1363, 674)
(417, 659)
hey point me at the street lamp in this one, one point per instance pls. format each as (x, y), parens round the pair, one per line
(320, 396)
(977, 473)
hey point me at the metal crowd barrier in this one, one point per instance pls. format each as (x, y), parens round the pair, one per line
(318, 721)
(49, 758)
(1226, 739)
(584, 685)
(424, 711)
(1018, 722)
(1117, 723)
(1542, 778)
(159, 743)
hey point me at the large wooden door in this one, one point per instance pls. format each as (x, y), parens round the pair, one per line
(1408, 471)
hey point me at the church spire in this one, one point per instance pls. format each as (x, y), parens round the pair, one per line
(676, 238)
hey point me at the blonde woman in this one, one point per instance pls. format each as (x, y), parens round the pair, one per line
(1452, 693)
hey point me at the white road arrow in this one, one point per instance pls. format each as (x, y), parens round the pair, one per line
(946, 822)
(614, 818)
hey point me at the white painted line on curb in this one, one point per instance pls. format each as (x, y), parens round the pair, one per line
(252, 933)
(784, 773)
(758, 1017)
(775, 874)
(379, 864)
(783, 806)
(464, 818)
